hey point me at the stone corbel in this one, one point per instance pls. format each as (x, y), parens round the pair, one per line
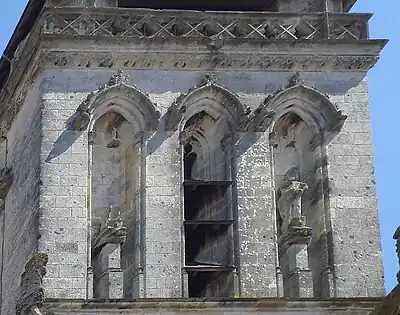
(31, 293)
(297, 233)
(6, 180)
(111, 231)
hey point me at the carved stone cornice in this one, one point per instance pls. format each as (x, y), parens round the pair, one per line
(188, 61)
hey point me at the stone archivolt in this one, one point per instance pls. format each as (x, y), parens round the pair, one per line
(117, 96)
(209, 97)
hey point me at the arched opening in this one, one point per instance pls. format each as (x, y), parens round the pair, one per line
(115, 188)
(305, 122)
(208, 212)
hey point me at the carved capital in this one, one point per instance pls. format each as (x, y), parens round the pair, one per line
(111, 231)
(6, 180)
(31, 292)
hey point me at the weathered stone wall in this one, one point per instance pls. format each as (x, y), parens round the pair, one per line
(352, 204)
(63, 198)
(64, 177)
(21, 208)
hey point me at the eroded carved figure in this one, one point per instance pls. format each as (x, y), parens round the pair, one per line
(31, 292)
(6, 180)
(289, 201)
(112, 231)
(396, 236)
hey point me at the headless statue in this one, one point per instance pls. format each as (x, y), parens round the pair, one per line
(289, 200)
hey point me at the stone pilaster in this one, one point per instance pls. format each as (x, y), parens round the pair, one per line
(256, 221)
(163, 255)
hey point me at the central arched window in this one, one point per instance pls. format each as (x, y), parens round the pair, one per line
(209, 250)
(210, 116)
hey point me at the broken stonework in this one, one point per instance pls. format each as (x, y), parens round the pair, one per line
(6, 180)
(391, 304)
(31, 291)
(396, 236)
(111, 231)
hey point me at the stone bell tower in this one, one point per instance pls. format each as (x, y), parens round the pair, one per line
(212, 154)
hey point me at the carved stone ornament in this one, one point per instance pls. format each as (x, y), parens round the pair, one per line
(112, 231)
(297, 233)
(6, 180)
(396, 236)
(31, 292)
(209, 79)
(295, 80)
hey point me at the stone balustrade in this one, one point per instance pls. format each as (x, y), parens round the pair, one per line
(143, 23)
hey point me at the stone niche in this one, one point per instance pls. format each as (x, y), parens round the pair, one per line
(305, 123)
(115, 167)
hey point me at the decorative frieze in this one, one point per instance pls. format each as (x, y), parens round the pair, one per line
(203, 60)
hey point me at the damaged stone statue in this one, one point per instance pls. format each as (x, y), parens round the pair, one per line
(289, 201)
(112, 231)
(31, 292)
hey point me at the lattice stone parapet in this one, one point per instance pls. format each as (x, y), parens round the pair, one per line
(215, 25)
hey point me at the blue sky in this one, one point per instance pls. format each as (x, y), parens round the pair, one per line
(383, 82)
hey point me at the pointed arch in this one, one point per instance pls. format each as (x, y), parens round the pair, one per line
(125, 100)
(216, 101)
(310, 105)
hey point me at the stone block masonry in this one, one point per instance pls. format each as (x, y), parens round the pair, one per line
(21, 205)
(64, 221)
